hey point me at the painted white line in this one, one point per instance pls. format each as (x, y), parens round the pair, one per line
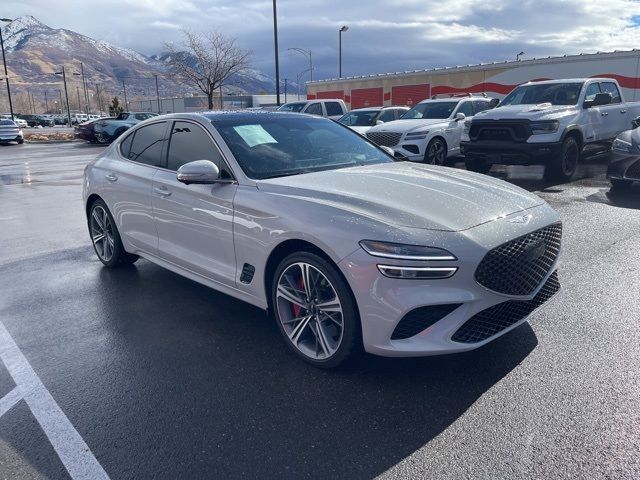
(9, 400)
(66, 441)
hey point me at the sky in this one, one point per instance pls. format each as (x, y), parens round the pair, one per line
(383, 35)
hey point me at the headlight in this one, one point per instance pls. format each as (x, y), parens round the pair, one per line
(467, 127)
(418, 135)
(400, 251)
(539, 128)
(622, 146)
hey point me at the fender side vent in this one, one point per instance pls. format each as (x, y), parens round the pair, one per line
(247, 273)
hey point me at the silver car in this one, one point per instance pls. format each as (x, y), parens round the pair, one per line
(347, 248)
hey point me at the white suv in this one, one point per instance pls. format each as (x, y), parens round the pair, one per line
(332, 108)
(430, 132)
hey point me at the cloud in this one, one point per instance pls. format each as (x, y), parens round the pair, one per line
(384, 35)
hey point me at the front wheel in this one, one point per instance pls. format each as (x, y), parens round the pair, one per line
(314, 310)
(436, 153)
(562, 169)
(106, 238)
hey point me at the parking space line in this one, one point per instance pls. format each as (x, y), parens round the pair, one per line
(66, 441)
(9, 400)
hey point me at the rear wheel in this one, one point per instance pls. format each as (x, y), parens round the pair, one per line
(436, 153)
(477, 165)
(314, 310)
(106, 238)
(562, 169)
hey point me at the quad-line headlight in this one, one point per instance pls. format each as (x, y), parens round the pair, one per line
(622, 146)
(540, 128)
(417, 135)
(399, 251)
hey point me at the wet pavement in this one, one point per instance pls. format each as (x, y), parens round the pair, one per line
(164, 378)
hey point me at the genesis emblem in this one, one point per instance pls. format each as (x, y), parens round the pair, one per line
(522, 219)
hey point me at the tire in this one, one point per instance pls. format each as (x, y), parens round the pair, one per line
(477, 165)
(21, 141)
(109, 247)
(562, 169)
(324, 338)
(620, 184)
(436, 153)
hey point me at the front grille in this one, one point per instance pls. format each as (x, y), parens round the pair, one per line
(517, 267)
(499, 131)
(633, 171)
(493, 320)
(420, 319)
(385, 139)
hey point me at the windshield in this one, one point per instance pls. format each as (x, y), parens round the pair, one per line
(7, 123)
(364, 118)
(292, 107)
(277, 147)
(431, 110)
(553, 93)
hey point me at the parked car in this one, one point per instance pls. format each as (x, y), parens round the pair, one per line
(332, 108)
(343, 245)
(430, 132)
(624, 165)
(10, 132)
(362, 119)
(550, 123)
(86, 130)
(37, 120)
(18, 121)
(107, 130)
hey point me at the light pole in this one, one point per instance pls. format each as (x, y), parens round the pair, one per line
(86, 94)
(518, 56)
(344, 28)
(275, 41)
(306, 53)
(298, 81)
(126, 104)
(6, 72)
(66, 93)
(157, 94)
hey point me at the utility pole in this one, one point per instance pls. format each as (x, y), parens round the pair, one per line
(126, 104)
(275, 41)
(285, 90)
(99, 99)
(6, 72)
(46, 101)
(61, 110)
(157, 94)
(79, 104)
(66, 93)
(221, 99)
(87, 107)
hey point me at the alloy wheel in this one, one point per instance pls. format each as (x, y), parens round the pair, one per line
(102, 233)
(309, 311)
(436, 153)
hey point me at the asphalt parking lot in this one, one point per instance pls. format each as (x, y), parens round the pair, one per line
(140, 373)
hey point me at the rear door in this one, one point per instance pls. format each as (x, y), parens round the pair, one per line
(616, 118)
(195, 222)
(129, 180)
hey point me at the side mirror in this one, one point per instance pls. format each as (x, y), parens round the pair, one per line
(494, 102)
(199, 172)
(379, 122)
(598, 100)
(460, 116)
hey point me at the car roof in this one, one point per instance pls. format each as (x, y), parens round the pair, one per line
(244, 115)
(565, 80)
(456, 99)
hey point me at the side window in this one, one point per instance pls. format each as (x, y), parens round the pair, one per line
(610, 87)
(388, 115)
(466, 108)
(399, 112)
(591, 92)
(189, 142)
(314, 109)
(333, 108)
(480, 106)
(125, 146)
(147, 143)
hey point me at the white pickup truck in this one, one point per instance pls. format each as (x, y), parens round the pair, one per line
(550, 123)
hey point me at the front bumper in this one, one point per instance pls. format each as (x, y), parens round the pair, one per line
(11, 138)
(383, 302)
(624, 165)
(511, 152)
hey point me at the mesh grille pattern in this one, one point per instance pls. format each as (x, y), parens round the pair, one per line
(499, 131)
(385, 139)
(420, 319)
(517, 267)
(633, 171)
(493, 320)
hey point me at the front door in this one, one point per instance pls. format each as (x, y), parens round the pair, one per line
(195, 222)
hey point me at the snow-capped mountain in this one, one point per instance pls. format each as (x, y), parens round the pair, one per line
(36, 51)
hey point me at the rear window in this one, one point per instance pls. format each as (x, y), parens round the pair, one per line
(7, 123)
(333, 108)
(292, 107)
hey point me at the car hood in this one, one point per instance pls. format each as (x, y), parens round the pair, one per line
(360, 130)
(542, 111)
(406, 194)
(408, 125)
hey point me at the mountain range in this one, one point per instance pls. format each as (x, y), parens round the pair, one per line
(36, 51)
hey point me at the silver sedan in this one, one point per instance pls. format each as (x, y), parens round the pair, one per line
(345, 247)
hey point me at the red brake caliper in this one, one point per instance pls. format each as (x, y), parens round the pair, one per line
(295, 309)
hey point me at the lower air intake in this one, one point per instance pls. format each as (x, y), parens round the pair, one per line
(420, 319)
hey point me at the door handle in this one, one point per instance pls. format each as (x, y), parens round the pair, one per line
(604, 114)
(112, 177)
(162, 191)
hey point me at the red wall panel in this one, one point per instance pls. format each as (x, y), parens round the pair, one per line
(366, 97)
(410, 94)
(331, 94)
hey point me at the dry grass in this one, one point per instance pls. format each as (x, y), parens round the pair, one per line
(48, 136)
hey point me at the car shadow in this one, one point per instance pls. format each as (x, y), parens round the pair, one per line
(625, 198)
(216, 370)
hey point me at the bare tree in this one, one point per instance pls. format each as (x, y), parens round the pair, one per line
(206, 60)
